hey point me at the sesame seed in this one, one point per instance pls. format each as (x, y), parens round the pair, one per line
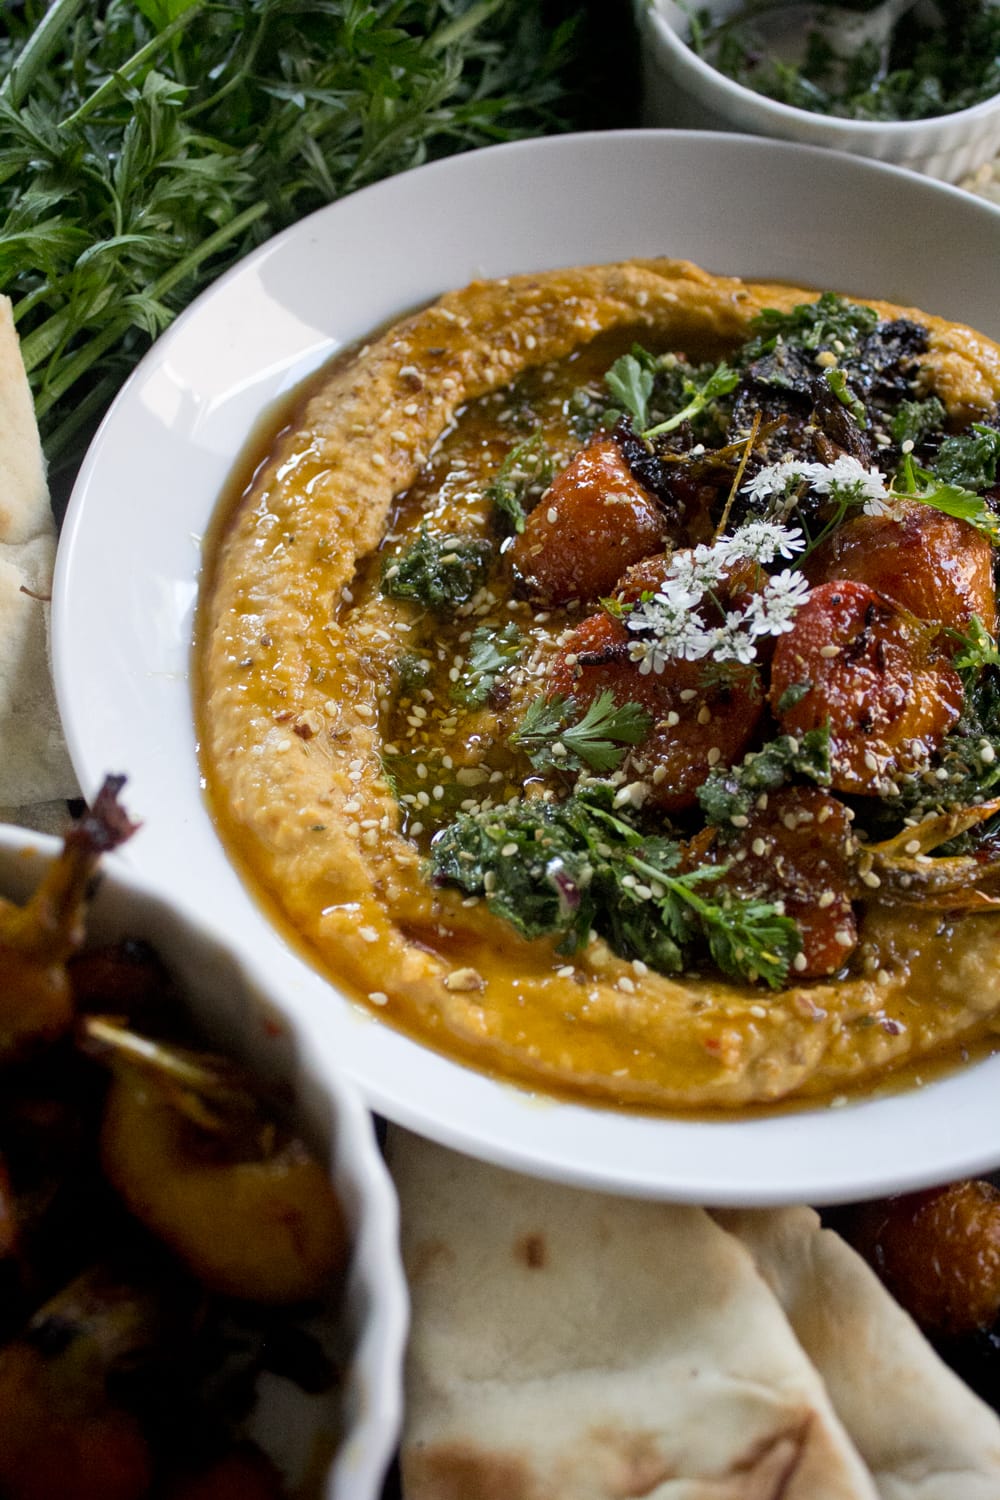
(378, 997)
(739, 820)
(673, 719)
(369, 934)
(626, 984)
(714, 756)
(552, 515)
(883, 977)
(687, 694)
(704, 714)
(826, 898)
(463, 979)
(829, 652)
(987, 754)
(759, 847)
(844, 938)
(508, 850)
(800, 962)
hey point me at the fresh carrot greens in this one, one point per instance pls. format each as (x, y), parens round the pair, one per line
(145, 145)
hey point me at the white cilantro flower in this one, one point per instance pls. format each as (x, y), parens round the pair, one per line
(695, 570)
(773, 611)
(847, 479)
(762, 542)
(671, 631)
(668, 625)
(731, 641)
(776, 480)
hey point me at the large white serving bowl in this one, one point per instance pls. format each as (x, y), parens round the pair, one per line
(241, 1015)
(681, 89)
(129, 562)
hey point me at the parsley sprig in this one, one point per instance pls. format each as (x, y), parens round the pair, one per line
(555, 737)
(569, 868)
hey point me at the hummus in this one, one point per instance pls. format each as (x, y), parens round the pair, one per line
(299, 659)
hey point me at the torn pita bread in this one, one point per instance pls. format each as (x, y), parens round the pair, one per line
(34, 764)
(923, 1434)
(568, 1345)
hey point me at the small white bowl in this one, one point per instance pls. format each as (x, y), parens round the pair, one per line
(680, 88)
(239, 1016)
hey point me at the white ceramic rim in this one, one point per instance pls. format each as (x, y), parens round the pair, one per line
(937, 132)
(775, 208)
(376, 1291)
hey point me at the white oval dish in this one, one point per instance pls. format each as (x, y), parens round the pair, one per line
(680, 88)
(237, 1013)
(129, 559)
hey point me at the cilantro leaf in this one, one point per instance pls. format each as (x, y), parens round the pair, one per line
(916, 483)
(490, 653)
(630, 381)
(554, 739)
(436, 571)
(731, 791)
(526, 468)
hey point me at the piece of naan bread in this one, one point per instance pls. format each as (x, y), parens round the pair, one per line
(922, 1432)
(34, 763)
(568, 1345)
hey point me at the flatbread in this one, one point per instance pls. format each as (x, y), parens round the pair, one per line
(923, 1434)
(34, 763)
(567, 1345)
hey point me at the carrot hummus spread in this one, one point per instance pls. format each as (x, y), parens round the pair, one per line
(599, 677)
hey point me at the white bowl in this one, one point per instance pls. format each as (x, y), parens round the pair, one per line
(240, 1016)
(130, 556)
(681, 89)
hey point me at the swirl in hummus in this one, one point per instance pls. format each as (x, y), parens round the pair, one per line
(597, 676)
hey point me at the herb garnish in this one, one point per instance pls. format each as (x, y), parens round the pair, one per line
(970, 458)
(579, 866)
(437, 571)
(632, 381)
(731, 791)
(925, 67)
(850, 484)
(827, 323)
(490, 652)
(554, 738)
(526, 469)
